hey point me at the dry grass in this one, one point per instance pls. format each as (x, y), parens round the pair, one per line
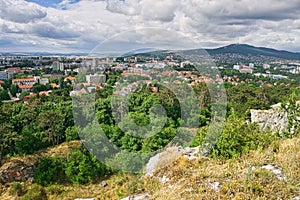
(242, 178)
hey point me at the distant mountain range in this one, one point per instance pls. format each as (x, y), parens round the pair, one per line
(241, 49)
(245, 49)
(40, 54)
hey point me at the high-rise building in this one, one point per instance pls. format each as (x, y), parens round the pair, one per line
(58, 66)
(95, 62)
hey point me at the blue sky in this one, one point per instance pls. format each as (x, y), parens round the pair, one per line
(81, 25)
(51, 3)
(46, 3)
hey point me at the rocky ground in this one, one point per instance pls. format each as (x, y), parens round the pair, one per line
(272, 173)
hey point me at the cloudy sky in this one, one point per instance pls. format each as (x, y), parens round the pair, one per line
(80, 25)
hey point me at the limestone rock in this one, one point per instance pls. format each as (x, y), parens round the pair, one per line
(275, 119)
(168, 156)
(17, 171)
(85, 199)
(275, 171)
(296, 198)
(215, 186)
(103, 184)
(164, 179)
(145, 196)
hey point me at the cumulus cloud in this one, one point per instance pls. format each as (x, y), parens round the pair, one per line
(81, 25)
(20, 11)
(163, 10)
(129, 7)
(48, 30)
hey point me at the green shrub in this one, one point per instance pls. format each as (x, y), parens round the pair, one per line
(49, 171)
(16, 189)
(36, 192)
(55, 189)
(71, 134)
(237, 137)
(81, 167)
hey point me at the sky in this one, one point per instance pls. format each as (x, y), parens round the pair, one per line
(67, 26)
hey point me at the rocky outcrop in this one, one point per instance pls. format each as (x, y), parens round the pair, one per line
(275, 170)
(275, 119)
(138, 197)
(85, 199)
(168, 156)
(18, 170)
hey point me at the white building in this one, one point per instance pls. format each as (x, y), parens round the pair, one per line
(58, 66)
(266, 66)
(279, 77)
(95, 78)
(296, 70)
(236, 67)
(3, 75)
(95, 62)
(251, 65)
(246, 71)
(44, 81)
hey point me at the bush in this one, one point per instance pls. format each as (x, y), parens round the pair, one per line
(71, 134)
(81, 167)
(36, 192)
(55, 189)
(16, 189)
(49, 171)
(237, 138)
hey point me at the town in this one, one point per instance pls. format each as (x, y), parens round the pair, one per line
(25, 77)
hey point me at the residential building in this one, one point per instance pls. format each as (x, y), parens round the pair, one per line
(95, 78)
(58, 66)
(24, 81)
(236, 67)
(44, 81)
(25, 88)
(3, 75)
(296, 70)
(71, 78)
(266, 66)
(246, 70)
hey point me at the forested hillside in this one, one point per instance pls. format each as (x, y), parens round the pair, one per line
(47, 121)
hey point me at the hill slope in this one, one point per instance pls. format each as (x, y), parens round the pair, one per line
(245, 49)
(203, 178)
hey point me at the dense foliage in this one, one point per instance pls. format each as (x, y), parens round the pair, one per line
(80, 167)
(48, 121)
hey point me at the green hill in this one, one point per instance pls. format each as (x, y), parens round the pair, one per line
(245, 49)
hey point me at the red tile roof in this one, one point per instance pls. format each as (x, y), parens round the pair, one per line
(23, 79)
(29, 86)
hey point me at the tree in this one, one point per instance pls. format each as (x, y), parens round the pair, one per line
(39, 87)
(23, 94)
(48, 171)
(8, 135)
(8, 138)
(13, 90)
(81, 167)
(4, 95)
(51, 124)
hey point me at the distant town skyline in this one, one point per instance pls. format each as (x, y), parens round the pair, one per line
(66, 26)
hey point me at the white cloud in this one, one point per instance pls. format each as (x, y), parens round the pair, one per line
(129, 7)
(20, 11)
(83, 25)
